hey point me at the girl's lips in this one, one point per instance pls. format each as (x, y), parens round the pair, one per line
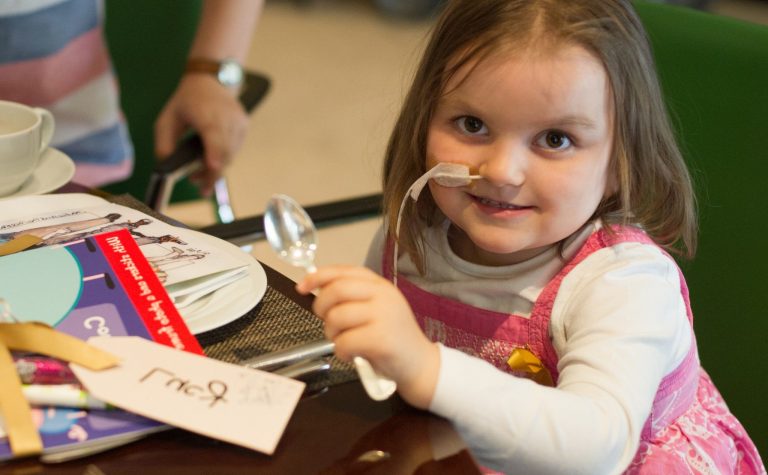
(496, 204)
(490, 206)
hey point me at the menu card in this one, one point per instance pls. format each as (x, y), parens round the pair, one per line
(184, 261)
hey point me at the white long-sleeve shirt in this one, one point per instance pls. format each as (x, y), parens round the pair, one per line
(618, 326)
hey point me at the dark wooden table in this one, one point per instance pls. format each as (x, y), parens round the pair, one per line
(327, 434)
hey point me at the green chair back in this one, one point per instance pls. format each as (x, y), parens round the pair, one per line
(148, 41)
(714, 73)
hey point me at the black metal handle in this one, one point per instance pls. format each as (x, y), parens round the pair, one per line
(247, 230)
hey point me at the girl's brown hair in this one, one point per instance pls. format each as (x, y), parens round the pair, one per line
(654, 187)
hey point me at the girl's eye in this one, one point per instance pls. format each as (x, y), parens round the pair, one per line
(555, 140)
(471, 125)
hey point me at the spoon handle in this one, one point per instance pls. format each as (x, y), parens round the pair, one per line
(377, 386)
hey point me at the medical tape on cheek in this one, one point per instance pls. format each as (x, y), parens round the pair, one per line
(445, 174)
(453, 175)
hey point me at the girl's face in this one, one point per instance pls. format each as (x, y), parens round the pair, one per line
(538, 128)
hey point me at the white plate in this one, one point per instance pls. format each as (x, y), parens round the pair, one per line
(54, 171)
(231, 301)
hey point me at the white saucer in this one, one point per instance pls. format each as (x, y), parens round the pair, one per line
(54, 170)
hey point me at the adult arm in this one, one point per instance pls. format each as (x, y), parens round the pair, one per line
(200, 102)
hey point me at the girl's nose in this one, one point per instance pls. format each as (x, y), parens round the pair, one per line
(505, 166)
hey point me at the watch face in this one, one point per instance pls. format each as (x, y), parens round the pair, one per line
(230, 73)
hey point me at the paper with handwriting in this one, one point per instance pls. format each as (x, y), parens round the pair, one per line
(224, 401)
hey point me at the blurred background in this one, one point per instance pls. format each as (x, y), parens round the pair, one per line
(339, 70)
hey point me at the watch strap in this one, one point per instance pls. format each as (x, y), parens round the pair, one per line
(202, 65)
(227, 71)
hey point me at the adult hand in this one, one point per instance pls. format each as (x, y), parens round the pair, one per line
(365, 315)
(213, 111)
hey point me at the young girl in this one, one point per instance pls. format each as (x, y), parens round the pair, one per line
(563, 331)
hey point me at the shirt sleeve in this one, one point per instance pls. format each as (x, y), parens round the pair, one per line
(618, 326)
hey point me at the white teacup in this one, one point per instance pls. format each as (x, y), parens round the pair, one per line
(25, 133)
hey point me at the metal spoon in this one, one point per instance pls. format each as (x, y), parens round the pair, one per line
(292, 234)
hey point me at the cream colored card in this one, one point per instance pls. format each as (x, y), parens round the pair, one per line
(221, 400)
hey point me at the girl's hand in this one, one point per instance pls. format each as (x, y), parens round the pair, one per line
(365, 315)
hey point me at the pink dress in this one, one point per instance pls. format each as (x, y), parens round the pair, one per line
(689, 430)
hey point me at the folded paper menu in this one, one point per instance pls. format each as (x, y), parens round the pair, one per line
(185, 262)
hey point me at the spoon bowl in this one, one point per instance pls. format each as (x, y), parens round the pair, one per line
(291, 232)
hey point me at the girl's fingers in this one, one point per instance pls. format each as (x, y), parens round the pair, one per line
(366, 341)
(344, 317)
(351, 343)
(325, 275)
(342, 290)
(354, 302)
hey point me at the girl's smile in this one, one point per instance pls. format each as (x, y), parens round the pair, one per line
(498, 209)
(537, 125)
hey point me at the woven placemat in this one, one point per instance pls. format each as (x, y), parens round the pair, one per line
(277, 322)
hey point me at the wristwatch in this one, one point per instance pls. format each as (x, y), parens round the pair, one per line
(227, 71)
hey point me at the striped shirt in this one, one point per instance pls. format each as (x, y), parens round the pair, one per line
(53, 55)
